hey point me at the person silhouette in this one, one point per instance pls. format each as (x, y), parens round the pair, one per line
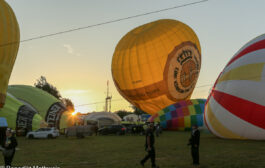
(149, 146)
(9, 146)
(194, 141)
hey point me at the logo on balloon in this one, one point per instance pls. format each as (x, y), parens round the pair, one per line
(182, 70)
(54, 114)
(24, 118)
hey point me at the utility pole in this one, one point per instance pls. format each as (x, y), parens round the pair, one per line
(108, 100)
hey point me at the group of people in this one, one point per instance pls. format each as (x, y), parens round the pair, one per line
(142, 129)
(10, 143)
(194, 142)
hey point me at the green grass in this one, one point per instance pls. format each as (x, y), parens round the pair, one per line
(127, 151)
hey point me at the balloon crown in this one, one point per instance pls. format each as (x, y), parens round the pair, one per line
(185, 55)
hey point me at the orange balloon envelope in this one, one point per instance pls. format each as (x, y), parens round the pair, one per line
(157, 64)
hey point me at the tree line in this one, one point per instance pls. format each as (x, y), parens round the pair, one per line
(43, 84)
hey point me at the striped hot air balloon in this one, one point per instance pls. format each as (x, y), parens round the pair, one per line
(181, 116)
(235, 109)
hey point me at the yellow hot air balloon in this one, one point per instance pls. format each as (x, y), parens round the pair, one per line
(157, 64)
(9, 43)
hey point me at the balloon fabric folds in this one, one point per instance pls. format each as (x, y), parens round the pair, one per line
(50, 108)
(9, 43)
(181, 116)
(157, 64)
(235, 109)
(19, 116)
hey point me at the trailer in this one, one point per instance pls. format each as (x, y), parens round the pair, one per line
(80, 131)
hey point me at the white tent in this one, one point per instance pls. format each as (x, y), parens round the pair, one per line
(103, 118)
(131, 117)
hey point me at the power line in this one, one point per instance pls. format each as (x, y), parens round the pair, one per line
(253, 77)
(101, 102)
(97, 103)
(104, 23)
(204, 85)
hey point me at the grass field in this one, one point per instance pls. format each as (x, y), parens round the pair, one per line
(126, 152)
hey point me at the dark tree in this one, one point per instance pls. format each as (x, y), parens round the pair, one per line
(137, 111)
(44, 85)
(123, 113)
(69, 104)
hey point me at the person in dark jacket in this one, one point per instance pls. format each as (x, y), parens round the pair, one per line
(9, 146)
(149, 146)
(194, 141)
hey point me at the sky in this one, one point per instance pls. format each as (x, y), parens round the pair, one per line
(79, 63)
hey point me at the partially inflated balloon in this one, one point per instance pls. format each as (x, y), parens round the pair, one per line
(67, 120)
(45, 104)
(9, 43)
(182, 115)
(235, 109)
(19, 116)
(157, 64)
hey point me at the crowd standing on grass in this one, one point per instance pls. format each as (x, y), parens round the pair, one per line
(10, 143)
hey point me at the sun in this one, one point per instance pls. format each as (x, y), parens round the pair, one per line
(80, 98)
(83, 109)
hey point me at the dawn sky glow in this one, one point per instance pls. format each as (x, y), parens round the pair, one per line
(79, 63)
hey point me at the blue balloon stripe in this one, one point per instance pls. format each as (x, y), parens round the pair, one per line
(199, 120)
(168, 116)
(172, 108)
